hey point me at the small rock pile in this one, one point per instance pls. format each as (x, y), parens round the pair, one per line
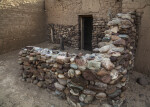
(82, 79)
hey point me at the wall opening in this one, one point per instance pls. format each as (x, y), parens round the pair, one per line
(86, 27)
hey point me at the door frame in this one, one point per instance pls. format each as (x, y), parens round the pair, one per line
(81, 29)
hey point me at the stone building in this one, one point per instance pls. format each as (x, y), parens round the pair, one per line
(81, 22)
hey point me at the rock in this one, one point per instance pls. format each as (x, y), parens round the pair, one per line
(59, 71)
(80, 62)
(115, 21)
(94, 65)
(123, 36)
(115, 94)
(73, 66)
(80, 81)
(61, 76)
(96, 50)
(102, 72)
(111, 90)
(81, 68)
(73, 85)
(89, 92)
(60, 59)
(107, 64)
(88, 75)
(96, 88)
(114, 74)
(101, 95)
(114, 37)
(106, 39)
(115, 54)
(142, 81)
(71, 73)
(88, 99)
(101, 85)
(101, 44)
(74, 92)
(106, 79)
(124, 79)
(120, 42)
(115, 29)
(104, 49)
(124, 16)
(62, 81)
(117, 49)
(82, 97)
(77, 72)
(40, 84)
(59, 86)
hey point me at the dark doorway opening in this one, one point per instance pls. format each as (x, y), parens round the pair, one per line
(86, 25)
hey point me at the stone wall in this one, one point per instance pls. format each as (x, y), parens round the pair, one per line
(142, 7)
(22, 23)
(66, 13)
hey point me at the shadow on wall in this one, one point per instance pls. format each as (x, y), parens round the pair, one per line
(142, 58)
(22, 23)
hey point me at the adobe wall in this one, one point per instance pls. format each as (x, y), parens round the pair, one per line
(142, 7)
(63, 18)
(21, 23)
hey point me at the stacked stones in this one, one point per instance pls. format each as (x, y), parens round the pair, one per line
(70, 33)
(82, 79)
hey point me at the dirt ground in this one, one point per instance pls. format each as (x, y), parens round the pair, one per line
(16, 93)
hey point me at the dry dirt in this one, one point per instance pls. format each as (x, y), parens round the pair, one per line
(16, 93)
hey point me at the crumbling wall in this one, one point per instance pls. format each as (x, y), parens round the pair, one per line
(65, 13)
(22, 23)
(142, 7)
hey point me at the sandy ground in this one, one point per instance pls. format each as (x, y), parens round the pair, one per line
(16, 93)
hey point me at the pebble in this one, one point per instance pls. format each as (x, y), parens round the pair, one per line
(73, 66)
(106, 79)
(101, 95)
(88, 99)
(89, 92)
(114, 37)
(75, 93)
(62, 81)
(102, 72)
(114, 74)
(100, 84)
(107, 64)
(71, 73)
(77, 72)
(115, 94)
(40, 84)
(59, 86)
(82, 97)
(120, 42)
(61, 76)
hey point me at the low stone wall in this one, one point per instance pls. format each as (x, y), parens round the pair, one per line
(82, 79)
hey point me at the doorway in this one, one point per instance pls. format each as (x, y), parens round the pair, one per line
(86, 27)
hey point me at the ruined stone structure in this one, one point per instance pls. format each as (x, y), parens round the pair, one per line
(22, 22)
(81, 22)
(66, 16)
